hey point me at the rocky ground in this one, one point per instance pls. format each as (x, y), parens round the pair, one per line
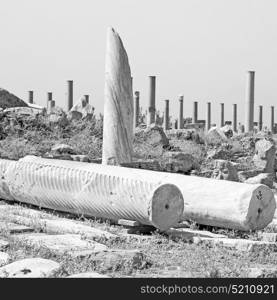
(42, 243)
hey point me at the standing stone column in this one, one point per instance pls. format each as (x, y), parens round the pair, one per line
(195, 112)
(69, 94)
(235, 117)
(249, 101)
(31, 97)
(181, 112)
(166, 115)
(152, 99)
(137, 109)
(272, 120)
(118, 106)
(176, 124)
(87, 98)
(222, 122)
(260, 117)
(208, 121)
(49, 99)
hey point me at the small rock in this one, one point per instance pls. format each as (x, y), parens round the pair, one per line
(81, 110)
(154, 135)
(262, 272)
(3, 245)
(227, 130)
(88, 275)
(224, 170)
(263, 178)
(4, 258)
(30, 267)
(178, 161)
(62, 149)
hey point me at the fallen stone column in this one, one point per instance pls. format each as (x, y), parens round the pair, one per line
(4, 190)
(96, 190)
(84, 188)
(225, 203)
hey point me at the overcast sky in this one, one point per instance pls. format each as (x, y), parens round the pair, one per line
(200, 48)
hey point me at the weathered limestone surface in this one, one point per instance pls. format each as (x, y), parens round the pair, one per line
(224, 170)
(60, 243)
(30, 267)
(14, 228)
(237, 244)
(4, 258)
(118, 107)
(88, 275)
(96, 190)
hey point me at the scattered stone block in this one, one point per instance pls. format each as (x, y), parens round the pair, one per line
(83, 158)
(154, 135)
(224, 170)
(67, 226)
(88, 275)
(30, 268)
(62, 243)
(215, 136)
(4, 245)
(268, 237)
(14, 228)
(189, 234)
(237, 244)
(227, 130)
(109, 260)
(4, 258)
(264, 158)
(178, 161)
(62, 149)
(263, 178)
(81, 110)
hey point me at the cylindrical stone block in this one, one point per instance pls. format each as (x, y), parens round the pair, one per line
(222, 121)
(249, 101)
(166, 115)
(235, 117)
(137, 109)
(272, 120)
(208, 122)
(195, 112)
(260, 124)
(31, 97)
(69, 94)
(152, 99)
(96, 190)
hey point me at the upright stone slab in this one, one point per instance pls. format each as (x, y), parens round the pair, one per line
(195, 112)
(31, 97)
(137, 109)
(118, 107)
(152, 100)
(260, 117)
(272, 120)
(166, 115)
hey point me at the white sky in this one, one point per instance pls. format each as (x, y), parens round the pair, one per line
(200, 48)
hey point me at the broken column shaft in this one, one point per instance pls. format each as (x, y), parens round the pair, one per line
(137, 109)
(222, 121)
(249, 101)
(260, 123)
(166, 115)
(208, 121)
(235, 117)
(69, 94)
(31, 97)
(87, 98)
(181, 112)
(152, 99)
(118, 106)
(272, 128)
(195, 112)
